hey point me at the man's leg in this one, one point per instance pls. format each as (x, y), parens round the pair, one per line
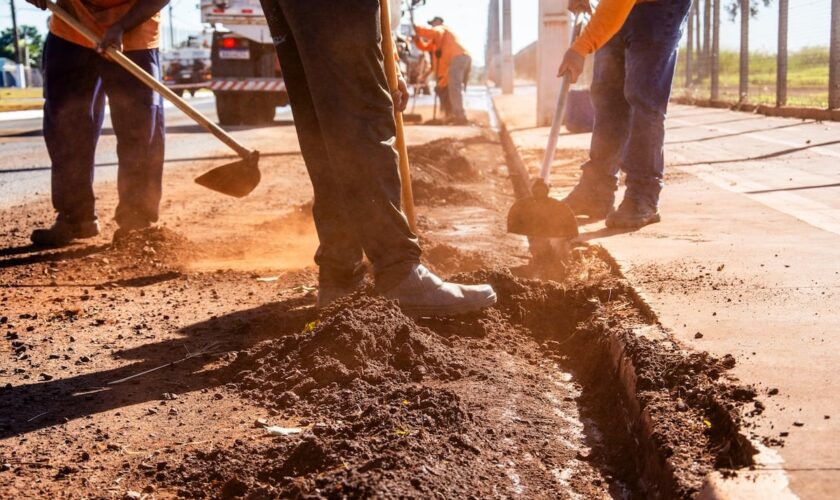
(339, 254)
(651, 60)
(137, 117)
(457, 73)
(73, 112)
(595, 193)
(338, 43)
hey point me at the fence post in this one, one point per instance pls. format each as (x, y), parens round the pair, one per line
(507, 49)
(744, 84)
(689, 48)
(707, 15)
(834, 58)
(782, 57)
(715, 76)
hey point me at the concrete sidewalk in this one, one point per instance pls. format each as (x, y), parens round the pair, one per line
(746, 262)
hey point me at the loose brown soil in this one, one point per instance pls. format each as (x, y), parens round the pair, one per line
(520, 400)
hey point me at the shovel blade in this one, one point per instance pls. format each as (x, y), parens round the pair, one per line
(542, 217)
(237, 179)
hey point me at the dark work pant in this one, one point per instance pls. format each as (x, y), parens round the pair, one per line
(332, 62)
(77, 80)
(630, 91)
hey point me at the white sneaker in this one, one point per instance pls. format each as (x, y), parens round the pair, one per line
(424, 294)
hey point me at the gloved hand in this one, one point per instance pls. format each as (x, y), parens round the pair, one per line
(572, 65)
(580, 7)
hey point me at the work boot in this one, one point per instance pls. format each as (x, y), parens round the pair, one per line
(327, 294)
(64, 231)
(126, 228)
(424, 294)
(586, 202)
(633, 214)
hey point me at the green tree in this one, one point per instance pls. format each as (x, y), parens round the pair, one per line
(733, 8)
(29, 37)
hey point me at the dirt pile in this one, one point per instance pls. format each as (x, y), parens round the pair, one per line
(446, 259)
(359, 344)
(437, 169)
(156, 246)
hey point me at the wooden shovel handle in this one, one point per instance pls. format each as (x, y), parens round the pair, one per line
(393, 82)
(150, 81)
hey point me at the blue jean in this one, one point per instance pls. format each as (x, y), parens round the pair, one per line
(630, 91)
(76, 82)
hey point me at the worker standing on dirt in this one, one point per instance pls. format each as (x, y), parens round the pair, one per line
(453, 63)
(77, 80)
(636, 43)
(343, 110)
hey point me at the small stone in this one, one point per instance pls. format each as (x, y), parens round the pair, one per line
(698, 335)
(772, 391)
(799, 423)
(173, 411)
(218, 396)
(132, 495)
(5, 467)
(260, 423)
(784, 434)
(168, 396)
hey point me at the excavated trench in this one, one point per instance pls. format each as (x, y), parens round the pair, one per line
(569, 387)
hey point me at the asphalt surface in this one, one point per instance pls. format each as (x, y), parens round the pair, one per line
(25, 165)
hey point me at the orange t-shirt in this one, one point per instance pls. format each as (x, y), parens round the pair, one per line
(99, 15)
(607, 20)
(443, 39)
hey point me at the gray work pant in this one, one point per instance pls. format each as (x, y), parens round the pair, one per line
(458, 70)
(332, 62)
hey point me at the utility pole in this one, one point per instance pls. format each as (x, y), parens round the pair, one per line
(507, 48)
(715, 76)
(744, 84)
(834, 64)
(171, 28)
(782, 61)
(21, 73)
(494, 51)
(552, 42)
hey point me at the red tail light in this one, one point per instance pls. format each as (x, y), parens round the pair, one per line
(229, 43)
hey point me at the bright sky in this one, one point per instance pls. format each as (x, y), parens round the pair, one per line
(809, 22)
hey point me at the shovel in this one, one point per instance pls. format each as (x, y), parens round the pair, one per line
(393, 83)
(543, 219)
(235, 179)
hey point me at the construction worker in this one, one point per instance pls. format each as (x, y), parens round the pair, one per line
(636, 43)
(343, 111)
(453, 64)
(77, 80)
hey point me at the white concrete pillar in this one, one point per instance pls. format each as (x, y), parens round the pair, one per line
(553, 42)
(507, 48)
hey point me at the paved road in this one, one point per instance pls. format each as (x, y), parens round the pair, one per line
(25, 166)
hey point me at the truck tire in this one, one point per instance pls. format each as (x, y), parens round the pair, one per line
(258, 108)
(228, 108)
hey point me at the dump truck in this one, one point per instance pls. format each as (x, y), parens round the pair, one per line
(247, 80)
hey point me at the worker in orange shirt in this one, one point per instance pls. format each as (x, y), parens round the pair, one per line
(453, 63)
(77, 79)
(635, 44)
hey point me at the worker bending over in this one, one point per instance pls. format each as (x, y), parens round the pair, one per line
(76, 82)
(452, 61)
(635, 45)
(343, 111)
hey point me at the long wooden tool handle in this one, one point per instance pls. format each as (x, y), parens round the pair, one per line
(130, 66)
(393, 82)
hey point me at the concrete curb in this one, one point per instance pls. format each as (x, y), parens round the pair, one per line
(765, 479)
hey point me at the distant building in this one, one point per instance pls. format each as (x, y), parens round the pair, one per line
(8, 73)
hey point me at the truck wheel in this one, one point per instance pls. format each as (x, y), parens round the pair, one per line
(227, 108)
(259, 109)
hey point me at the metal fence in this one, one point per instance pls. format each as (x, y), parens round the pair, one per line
(772, 52)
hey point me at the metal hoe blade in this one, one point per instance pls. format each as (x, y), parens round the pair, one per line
(237, 179)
